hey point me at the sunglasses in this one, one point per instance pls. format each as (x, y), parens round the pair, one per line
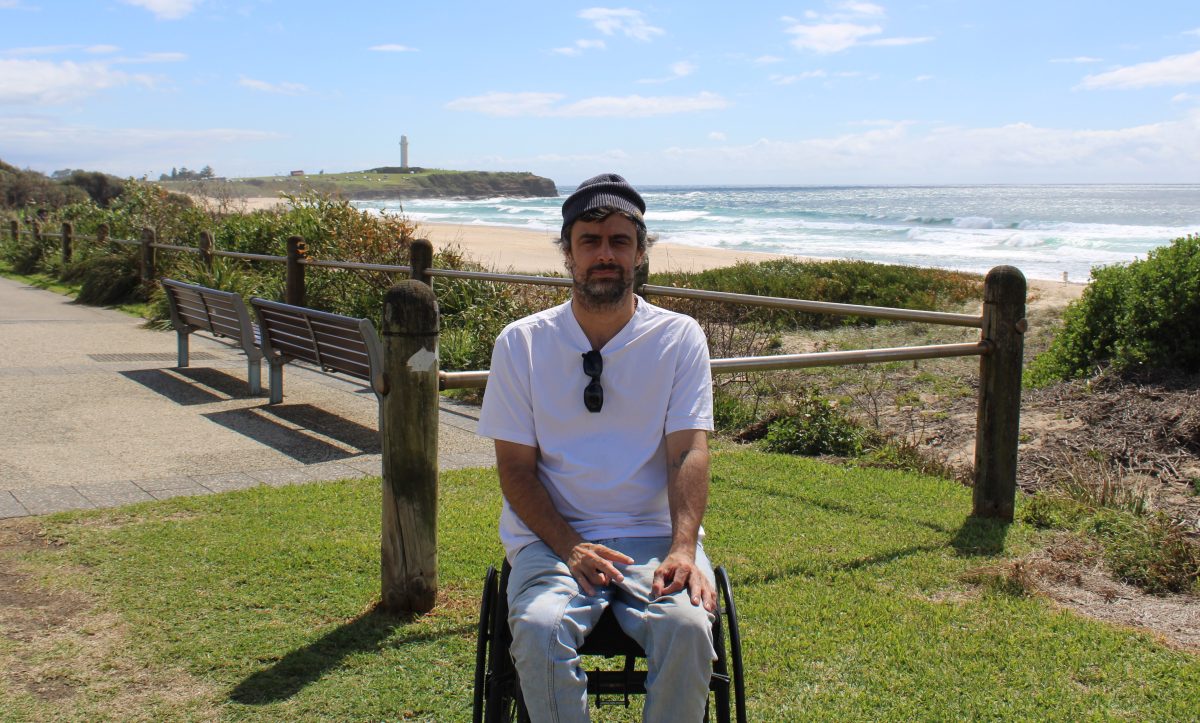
(593, 393)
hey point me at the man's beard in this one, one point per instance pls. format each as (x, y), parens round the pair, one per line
(600, 294)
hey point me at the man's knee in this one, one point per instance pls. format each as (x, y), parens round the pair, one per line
(677, 621)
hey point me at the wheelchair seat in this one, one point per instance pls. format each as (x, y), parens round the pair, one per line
(497, 695)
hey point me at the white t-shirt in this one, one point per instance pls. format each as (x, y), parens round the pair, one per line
(606, 471)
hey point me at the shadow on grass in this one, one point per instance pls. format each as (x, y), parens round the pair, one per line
(306, 665)
(980, 537)
(809, 569)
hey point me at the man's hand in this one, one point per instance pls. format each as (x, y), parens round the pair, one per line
(592, 565)
(678, 571)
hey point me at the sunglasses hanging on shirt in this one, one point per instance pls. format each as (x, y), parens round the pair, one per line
(593, 393)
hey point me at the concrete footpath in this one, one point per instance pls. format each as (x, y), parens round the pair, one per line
(94, 413)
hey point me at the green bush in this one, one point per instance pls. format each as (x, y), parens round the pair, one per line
(849, 282)
(1153, 553)
(815, 426)
(1145, 314)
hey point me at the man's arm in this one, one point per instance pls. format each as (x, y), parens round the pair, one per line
(590, 564)
(687, 496)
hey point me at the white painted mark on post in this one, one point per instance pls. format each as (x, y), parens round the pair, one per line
(422, 361)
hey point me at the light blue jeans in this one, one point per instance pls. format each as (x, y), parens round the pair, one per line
(549, 616)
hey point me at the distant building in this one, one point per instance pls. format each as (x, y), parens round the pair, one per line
(297, 173)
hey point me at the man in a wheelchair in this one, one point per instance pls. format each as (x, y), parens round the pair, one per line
(600, 410)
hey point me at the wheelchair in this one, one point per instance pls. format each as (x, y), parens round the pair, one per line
(497, 695)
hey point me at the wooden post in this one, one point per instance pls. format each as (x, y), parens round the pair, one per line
(102, 236)
(37, 231)
(206, 249)
(997, 427)
(68, 236)
(147, 256)
(293, 290)
(14, 228)
(420, 258)
(409, 434)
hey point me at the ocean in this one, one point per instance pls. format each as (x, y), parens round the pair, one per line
(1044, 230)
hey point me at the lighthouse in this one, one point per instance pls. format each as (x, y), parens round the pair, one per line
(404, 153)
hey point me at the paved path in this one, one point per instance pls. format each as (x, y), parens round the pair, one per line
(93, 413)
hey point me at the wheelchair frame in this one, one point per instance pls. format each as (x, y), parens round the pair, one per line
(497, 694)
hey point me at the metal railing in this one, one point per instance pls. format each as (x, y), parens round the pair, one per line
(1002, 325)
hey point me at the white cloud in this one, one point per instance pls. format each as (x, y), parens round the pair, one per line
(278, 88)
(682, 69)
(152, 58)
(923, 78)
(392, 48)
(778, 79)
(166, 9)
(46, 143)
(101, 49)
(1173, 70)
(830, 37)
(42, 82)
(716, 136)
(1185, 98)
(848, 25)
(1192, 32)
(514, 105)
(611, 21)
(1077, 59)
(897, 152)
(768, 59)
(580, 46)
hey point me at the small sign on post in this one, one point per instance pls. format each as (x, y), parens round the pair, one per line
(409, 436)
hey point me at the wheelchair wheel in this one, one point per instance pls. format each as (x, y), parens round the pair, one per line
(729, 655)
(497, 696)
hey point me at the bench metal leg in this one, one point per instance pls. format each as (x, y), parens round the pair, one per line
(254, 376)
(181, 339)
(275, 381)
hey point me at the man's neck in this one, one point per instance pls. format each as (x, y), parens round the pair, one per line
(601, 325)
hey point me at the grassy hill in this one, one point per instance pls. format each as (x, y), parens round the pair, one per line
(379, 183)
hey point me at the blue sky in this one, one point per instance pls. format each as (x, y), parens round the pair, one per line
(667, 92)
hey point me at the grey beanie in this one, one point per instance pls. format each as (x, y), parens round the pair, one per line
(605, 190)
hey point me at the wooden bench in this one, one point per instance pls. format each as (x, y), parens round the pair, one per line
(333, 342)
(222, 314)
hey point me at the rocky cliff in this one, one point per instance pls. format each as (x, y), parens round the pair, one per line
(454, 184)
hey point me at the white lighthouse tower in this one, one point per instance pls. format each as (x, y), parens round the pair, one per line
(404, 153)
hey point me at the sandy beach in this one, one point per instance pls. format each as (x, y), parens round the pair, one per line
(506, 248)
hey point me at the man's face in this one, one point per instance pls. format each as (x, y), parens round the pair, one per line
(602, 260)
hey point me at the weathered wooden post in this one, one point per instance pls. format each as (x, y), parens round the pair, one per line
(147, 265)
(206, 249)
(102, 236)
(36, 228)
(68, 236)
(420, 259)
(997, 427)
(14, 228)
(293, 290)
(409, 435)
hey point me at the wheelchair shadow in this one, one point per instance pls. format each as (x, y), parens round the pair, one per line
(370, 632)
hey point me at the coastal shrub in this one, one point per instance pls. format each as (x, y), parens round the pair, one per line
(1141, 315)
(814, 426)
(1150, 551)
(848, 282)
(108, 279)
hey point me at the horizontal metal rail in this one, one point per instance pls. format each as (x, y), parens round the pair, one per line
(820, 307)
(125, 241)
(249, 257)
(511, 278)
(169, 247)
(842, 358)
(476, 379)
(43, 234)
(387, 268)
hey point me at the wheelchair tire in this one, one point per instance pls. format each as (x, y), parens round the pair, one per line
(733, 657)
(483, 634)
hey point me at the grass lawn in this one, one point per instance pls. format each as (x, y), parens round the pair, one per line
(850, 583)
